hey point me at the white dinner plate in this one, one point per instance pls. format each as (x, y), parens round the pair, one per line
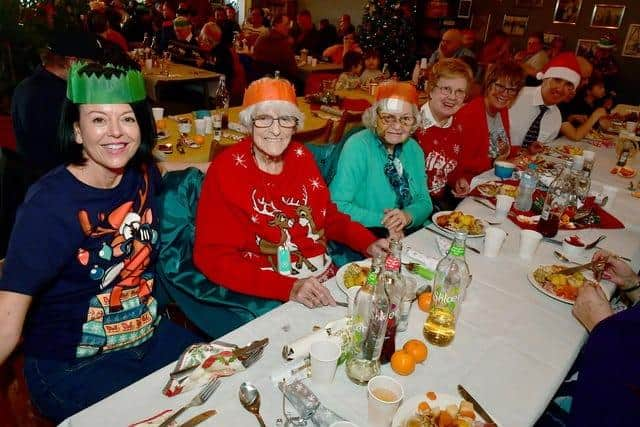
(340, 273)
(162, 135)
(409, 406)
(451, 232)
(586, 273)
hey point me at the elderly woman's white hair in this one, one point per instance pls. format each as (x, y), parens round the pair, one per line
(211, 33)
(389, 105)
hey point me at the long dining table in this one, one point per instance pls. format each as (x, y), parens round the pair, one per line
(512, 349)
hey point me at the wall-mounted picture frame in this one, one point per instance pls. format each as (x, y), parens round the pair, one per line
(464, 9)
(480, 24)
(549, 37)
(567, 11)
(607, 16)
(586, 47)
(631, 47)
(531, 4)
(515, 25)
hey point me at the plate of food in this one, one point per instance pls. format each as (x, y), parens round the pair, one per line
(546, 279)
(434, 409)
(353, 274)
(452, 221)
(493, 188)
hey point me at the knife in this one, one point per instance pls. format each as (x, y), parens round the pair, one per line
(550, 240)
(484, 202)
(199, 418)
(441, 234)
(476, 406)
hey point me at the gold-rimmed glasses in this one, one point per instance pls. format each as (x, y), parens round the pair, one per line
(390, 119)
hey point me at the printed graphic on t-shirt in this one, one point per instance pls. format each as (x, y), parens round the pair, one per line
(438, 168)
(117, 256)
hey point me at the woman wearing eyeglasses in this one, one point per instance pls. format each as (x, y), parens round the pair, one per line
(485, 120)
(441, 137)
(265, 215)
(380, 179)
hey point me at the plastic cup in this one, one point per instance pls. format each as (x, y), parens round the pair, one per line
(529, 241)
(578, 162)
(611, 192)
(184, 127)
(503, 169)
(384, 397)
(493, 239)
(158, 113)
(324, 361)
(148, 64)
(503, 205)
(351, 298)
(208, 125)
(309, 59)
(589, 155)
(201, 126)
(314, 62)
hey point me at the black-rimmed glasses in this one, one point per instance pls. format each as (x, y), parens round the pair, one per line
(511, 91)
(287, 122)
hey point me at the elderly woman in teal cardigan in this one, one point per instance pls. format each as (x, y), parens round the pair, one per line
(380, 179)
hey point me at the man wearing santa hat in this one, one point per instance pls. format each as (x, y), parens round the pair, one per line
(534, 116)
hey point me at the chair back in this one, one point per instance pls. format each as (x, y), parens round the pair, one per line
(313, 83)
(321, 134)
(7, 135)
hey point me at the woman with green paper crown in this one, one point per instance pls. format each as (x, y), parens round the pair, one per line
(78, 278)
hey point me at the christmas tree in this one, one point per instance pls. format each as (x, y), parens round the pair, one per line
(389, 27)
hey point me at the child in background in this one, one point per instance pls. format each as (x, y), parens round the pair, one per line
(585, 110)
(371, 67)
(352, 67)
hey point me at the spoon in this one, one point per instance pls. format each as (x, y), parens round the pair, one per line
(250, 398)
(595, 242)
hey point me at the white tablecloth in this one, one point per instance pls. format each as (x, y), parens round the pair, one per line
(513, 346)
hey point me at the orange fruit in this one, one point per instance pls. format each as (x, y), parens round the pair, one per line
(402, 363)
(417, 349)
(161, 124)
(424, 301)
(198, 139)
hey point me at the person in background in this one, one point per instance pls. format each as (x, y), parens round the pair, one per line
(450, 47)
(441, 134)
(345, 26)
(352, 65)
(533, 58)
(557, 45)
(336, 52)
(605, 395)
(202, 11)
(216, 53)
(232, 16)
(98, 24)
(372, 70)
(583, 112)
(78, 287)
(273, 52)
(276, 208)
(496, 49)
(535, 117)
(166, 32)
(485, 120)
(254, 26)
(469, 39)
(184, 49)
(380, 180)
(305, 35)
(327, 34)
(605, 66)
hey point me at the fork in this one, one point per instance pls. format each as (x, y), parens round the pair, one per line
(198, 400)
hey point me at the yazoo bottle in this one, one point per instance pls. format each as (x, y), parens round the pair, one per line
(528, 182)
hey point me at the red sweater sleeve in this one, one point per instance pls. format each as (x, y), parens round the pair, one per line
(220, 233)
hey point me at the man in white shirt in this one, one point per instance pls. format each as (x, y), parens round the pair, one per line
(534, 116)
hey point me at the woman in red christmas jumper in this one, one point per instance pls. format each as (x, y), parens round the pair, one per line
(485, 120)
(264, 202)
(441, 136)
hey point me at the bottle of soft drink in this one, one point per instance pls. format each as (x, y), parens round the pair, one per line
(385, 71)
(528, 182)
(452, 278)
(221, 112)
(557, 200)
(394, 287)
(366, 364)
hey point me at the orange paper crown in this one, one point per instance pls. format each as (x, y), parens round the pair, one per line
(268, 89)
(398, 90)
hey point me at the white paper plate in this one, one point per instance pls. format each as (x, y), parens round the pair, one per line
(451, 232)
(340, 273)
(587, 274)
(409, 406)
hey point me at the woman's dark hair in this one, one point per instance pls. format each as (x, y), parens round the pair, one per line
(509, 71)
(350, 60)
(72, 152)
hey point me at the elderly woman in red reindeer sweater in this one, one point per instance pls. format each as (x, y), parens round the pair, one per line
(441, 136)
(485, 120)
(265, 213)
